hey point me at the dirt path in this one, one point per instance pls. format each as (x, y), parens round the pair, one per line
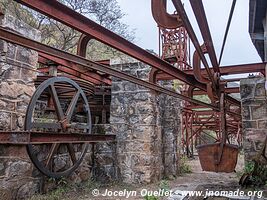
(198, 180)
(186, 182)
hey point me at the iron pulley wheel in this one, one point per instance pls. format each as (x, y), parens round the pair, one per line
(49, 112)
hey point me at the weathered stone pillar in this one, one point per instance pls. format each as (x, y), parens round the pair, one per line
(170, 110)
(134, 117)
(146, 126)
(17, 66)
(254, 115)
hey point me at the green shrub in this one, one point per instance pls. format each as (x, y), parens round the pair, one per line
(184, 167)
(151, 198)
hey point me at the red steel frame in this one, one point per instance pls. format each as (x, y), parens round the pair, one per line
(195, 122)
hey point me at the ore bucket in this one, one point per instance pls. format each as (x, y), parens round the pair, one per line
(218, 157)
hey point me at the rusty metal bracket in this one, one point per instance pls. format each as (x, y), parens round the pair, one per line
(164, 19)
(197, 66)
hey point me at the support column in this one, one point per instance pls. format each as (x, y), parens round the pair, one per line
(135, 119)
(254, 118)
(17, 66)
(147, 126)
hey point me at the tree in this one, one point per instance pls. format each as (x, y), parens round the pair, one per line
(105, 12)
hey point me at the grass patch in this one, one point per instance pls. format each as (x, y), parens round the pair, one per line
(185, 168)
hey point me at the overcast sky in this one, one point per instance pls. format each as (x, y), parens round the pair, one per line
(239, 48)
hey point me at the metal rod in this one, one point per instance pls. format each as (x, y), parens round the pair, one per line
(227, 29)
(199, 12)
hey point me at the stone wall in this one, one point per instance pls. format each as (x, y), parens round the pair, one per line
(17, 66)
(104, 157)
(254, 115)
(146, 125)
(170, 111)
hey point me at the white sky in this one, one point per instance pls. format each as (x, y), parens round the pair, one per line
(239, 48)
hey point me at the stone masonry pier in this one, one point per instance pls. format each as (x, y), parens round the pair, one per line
(254, 114)
(17, 66)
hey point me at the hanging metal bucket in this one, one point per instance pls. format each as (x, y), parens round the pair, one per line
(210, 159)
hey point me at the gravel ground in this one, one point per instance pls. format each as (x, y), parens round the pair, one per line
(198, 180)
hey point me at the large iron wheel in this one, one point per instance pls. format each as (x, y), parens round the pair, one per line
(58, 160)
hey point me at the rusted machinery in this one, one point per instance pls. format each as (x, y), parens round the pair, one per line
(66, 134)
(213, 131)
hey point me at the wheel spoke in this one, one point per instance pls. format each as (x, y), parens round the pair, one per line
(55, 98)
(51, 153)
(72, 153)
(72, 106)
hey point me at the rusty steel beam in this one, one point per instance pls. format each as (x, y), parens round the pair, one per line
(227, 91)
(231, 80)
(37, 46)
(24, 138)
(202, 21)
(225, 70)
(67, 16)
(72, 73)
(186, 23)
(87, 75)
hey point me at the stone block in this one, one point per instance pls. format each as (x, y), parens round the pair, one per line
(3, 166)
(19, 168)
(124, 136)
(21, 27)
(248, 87)
(262, 124)
(11, 53)
(144, 107)
(27, 75)
(255, 135)
(259, 112)
(23, 54)
(143, 74)
(132, 72)
(142, 96)
(144, 133)
(117, 87)
(249, 124)
(246, 113)
(118, 109)
(117, 119)
(13, 90)
(5, 121)
(119, 128)
(148, 119)
(3, 47)
(260, 90)
(247, 91)
(28, 190)
(253, 102)
(128, 86)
